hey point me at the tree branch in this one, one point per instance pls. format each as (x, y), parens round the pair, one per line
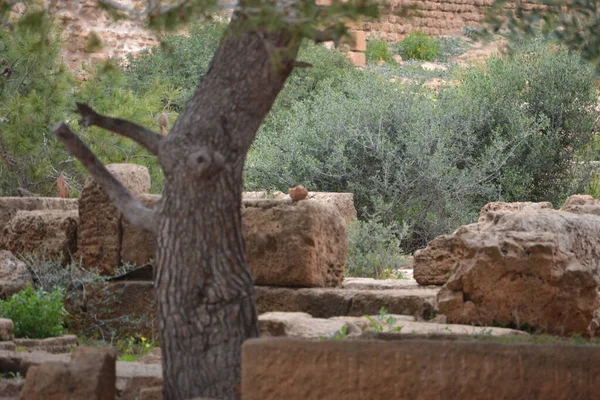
(143, 136)
(133, 210)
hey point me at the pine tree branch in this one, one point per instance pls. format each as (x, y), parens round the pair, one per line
(133, 210)
(147, 138)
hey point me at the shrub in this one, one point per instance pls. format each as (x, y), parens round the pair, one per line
(49, 274)
(373, 250)
(179, 62)
(509, 131)
(419, 46)
(378, 50)
(35, 313)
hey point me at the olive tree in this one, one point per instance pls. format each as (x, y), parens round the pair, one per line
(204, 289)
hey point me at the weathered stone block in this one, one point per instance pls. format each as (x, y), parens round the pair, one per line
(295, 243)
(379, 369)
(138, 246)
(539, 268)
(356, 41)
(91, 374)
(10, 205)
(49, 232)
(357, 58)
(7, 330)
(99, 235)
(126, 308)
(332, 302)
(14, 275)
(492, 210)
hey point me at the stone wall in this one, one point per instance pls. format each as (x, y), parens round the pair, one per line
(81, 18)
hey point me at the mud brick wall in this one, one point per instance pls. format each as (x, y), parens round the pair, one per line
(436, 17)
(81, 18)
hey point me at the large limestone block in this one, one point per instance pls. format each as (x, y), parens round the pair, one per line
(289, 243)
(416, 369)
(302, 325)
(10, 205)
(502, 208)
(49, 232)
(91, 374)
(332, 302)
(14, 275)
(531, 268)
(582, 204)
(297, 324)
(6, 330)
(434, 264)
(99, 235)
(127, 308)
(344, 202)
(138, 246)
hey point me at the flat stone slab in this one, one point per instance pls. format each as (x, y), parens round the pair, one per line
(332, 302)
(55, 345)
(382, 284)
(416, 369)
(302, 325)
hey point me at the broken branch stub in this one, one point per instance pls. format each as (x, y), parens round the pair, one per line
(131, 207)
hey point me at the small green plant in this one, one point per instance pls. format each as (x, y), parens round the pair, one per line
(419, 46)
(339, 335)
(384, 322)
(35, 313)
(374, 250)
(132, 348)
(378, 50)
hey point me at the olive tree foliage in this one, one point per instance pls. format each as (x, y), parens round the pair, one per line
(575, 23)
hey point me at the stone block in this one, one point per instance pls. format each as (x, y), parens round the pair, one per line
(7, 330)
(10, 205)
(14, 275)
(138, 246)
(332, 302)
(52, 233)
(100, 228)
(127, 308)
(417, 369)
(301, 244)
(90, 375)
(357, 58)
(356, 40)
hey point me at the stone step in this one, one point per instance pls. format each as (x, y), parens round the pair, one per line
(135, 301)
(302, 325)
(333, 302)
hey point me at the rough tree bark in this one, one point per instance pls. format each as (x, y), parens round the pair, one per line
(204, 289)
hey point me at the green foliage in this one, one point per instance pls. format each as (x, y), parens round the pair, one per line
(179, 63)
(339, 335)
(384, 322)
(419, 46)
(34, 95)
(35, 313)
(573, 22)
(378, 50)
(108, 93)
(373, 250)
(49, 274)
(508, 132)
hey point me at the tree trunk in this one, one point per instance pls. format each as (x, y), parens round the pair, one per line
(204, 288)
